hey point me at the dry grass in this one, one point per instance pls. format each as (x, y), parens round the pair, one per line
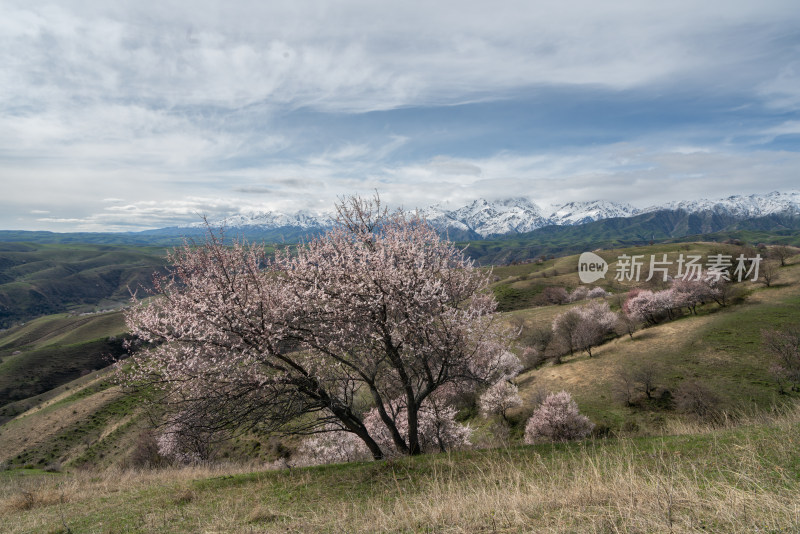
(40, 424)
(737, 480)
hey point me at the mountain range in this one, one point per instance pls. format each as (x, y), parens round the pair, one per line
(497, 220)
(484, 219)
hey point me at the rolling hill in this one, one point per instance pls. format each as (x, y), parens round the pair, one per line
(42, 279)
(719, 347)
(646, 469)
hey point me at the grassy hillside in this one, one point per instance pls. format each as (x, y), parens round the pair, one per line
(54, 350)
(517, 286)
(719, 347)
(744, 479)
(649, 466)
(38, 279)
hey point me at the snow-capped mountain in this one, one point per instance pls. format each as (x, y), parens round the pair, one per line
(509, 216)
(483, 218)
(271, 220)
(573, 213)
(740, 206)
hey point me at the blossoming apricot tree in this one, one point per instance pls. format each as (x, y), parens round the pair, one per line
(377, 313)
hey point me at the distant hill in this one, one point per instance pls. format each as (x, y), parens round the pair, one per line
(40, 279)
(54, 273)
(482, 219)
(54, 350)
(667, 226)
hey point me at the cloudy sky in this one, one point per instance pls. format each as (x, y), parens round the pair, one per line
(131, 115)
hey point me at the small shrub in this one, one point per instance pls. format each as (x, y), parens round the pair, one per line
(630, 427)
(557, 419)
(499, 398)
(579, 293)
(694, 398)
(596, 293)
(145, 454)
(533, 358)
(601, 431)
(277, 449)
(54, 467)
(553, 295)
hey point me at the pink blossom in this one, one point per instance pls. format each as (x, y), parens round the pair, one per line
(377, 309)
(499, 398)
(557, 419)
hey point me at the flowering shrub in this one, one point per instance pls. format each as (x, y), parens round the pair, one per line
(507, 366)
(579, 293)
(584, 327)
(557, 419)
(651, 307)
(596, 293)
(331, 447)
(499, 398)
(182, 444)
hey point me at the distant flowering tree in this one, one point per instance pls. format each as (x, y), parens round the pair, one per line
(689, 292)
(579, 293)
(596, 293)
(557, 419)
(784, 347)
(499, 398)
(377, 311)
(584, 327)
(649, 306)
(600, 314)
(565, 325)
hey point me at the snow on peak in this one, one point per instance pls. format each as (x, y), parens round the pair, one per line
(573, 213)
(506, 216)
(740, 206)
(519, 214)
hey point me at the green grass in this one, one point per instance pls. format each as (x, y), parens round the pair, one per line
(61, 329)
(721, 347)
(37, 371)
(40, 279)
(55, 350)
(658, 227)
(731, 480)
(80, 443)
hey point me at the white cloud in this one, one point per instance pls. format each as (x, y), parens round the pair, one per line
(640, 175)
(145, 114)
(783, 91)
(362, 55)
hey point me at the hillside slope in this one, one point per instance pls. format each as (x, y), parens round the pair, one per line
(54, 350)
(720, 348)
(39, 279)
(743, 479)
